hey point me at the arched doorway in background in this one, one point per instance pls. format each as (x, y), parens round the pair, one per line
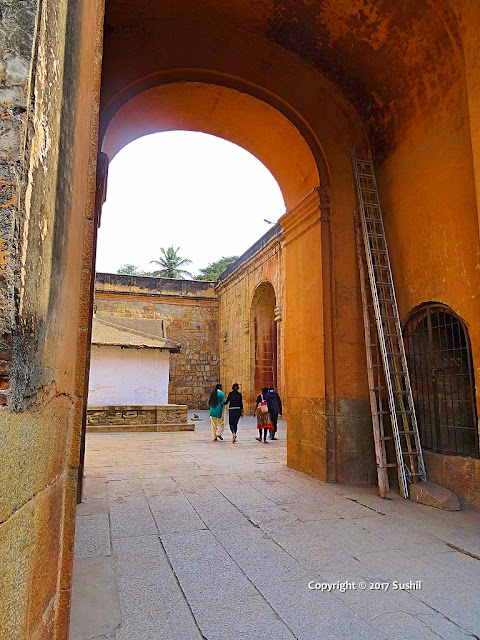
(263, 338)
(441, 370)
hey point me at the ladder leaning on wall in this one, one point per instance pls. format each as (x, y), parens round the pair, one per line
(384, 347)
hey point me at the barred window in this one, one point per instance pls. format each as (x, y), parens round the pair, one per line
(442, 378)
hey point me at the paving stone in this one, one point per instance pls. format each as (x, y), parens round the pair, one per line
(464, 568)
(92, 536)
(443, 627)
(440, 590)
(245, 496)
(91, 506)
(209, 577)
(400, 625)
(152, 603)
(130, 514)
(284, 584)
(174, 514)
(222, 540)
(94, 487)
(312, 614)
(95, 609)
(215, 510)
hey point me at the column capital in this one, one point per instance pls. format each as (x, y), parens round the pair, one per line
(313, 208)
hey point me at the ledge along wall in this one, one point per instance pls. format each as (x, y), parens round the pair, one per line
(189, 310)
(170, 417)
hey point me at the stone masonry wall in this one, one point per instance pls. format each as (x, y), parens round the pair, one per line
(135, 417)
(17, 34)
(50, 54)
(190, 311)
(262, 263)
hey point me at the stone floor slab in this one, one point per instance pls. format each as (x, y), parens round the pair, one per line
(95, 609)
(92, 536)
(220, 541)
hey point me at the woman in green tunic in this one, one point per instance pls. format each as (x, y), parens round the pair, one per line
(217, 419)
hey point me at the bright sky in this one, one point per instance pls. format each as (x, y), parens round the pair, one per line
(187, 189)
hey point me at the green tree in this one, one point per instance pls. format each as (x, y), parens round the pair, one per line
(132, 270)
(215, 269)
(171, 263)
(129, 270)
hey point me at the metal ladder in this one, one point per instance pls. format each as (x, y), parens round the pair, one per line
(376, 378)
(411, 466)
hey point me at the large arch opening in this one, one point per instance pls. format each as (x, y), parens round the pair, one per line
(173, 189)
(234, 115)
(284, 135)
(271, 134)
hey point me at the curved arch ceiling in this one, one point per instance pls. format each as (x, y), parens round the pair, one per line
(389, 58)
(226, 113)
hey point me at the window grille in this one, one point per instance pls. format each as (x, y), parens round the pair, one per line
(441, 371)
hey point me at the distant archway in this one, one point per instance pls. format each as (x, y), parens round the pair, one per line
(263, 338)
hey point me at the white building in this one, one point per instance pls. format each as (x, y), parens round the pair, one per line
(128, 366)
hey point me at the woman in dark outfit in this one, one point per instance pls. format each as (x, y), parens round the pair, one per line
(235, 409)
(264, 420)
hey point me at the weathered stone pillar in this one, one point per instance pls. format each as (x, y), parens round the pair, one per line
(18, 29)
(49, 78)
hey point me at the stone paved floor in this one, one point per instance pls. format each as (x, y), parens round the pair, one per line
(181, 538)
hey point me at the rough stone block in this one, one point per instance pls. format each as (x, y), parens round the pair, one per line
(48, 504)
(434, 495)
(62, 619)
(16, 551)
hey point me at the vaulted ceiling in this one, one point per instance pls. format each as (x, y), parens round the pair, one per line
(389, 58)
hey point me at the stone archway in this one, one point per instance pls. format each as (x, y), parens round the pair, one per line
(235, 115)
(263, 339)
(346, 72)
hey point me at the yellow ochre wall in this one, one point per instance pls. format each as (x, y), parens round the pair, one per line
(428, 193)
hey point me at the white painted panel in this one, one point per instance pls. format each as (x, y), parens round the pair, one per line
(128, 376)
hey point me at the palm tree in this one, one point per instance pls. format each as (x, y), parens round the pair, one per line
(171, 263)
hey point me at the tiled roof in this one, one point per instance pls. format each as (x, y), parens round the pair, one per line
(111, 331)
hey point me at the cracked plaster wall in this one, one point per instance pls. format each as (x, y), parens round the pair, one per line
(17, 37)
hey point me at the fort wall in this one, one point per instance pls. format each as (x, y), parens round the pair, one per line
(189, 312)
(406, 81)
(263, 263)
